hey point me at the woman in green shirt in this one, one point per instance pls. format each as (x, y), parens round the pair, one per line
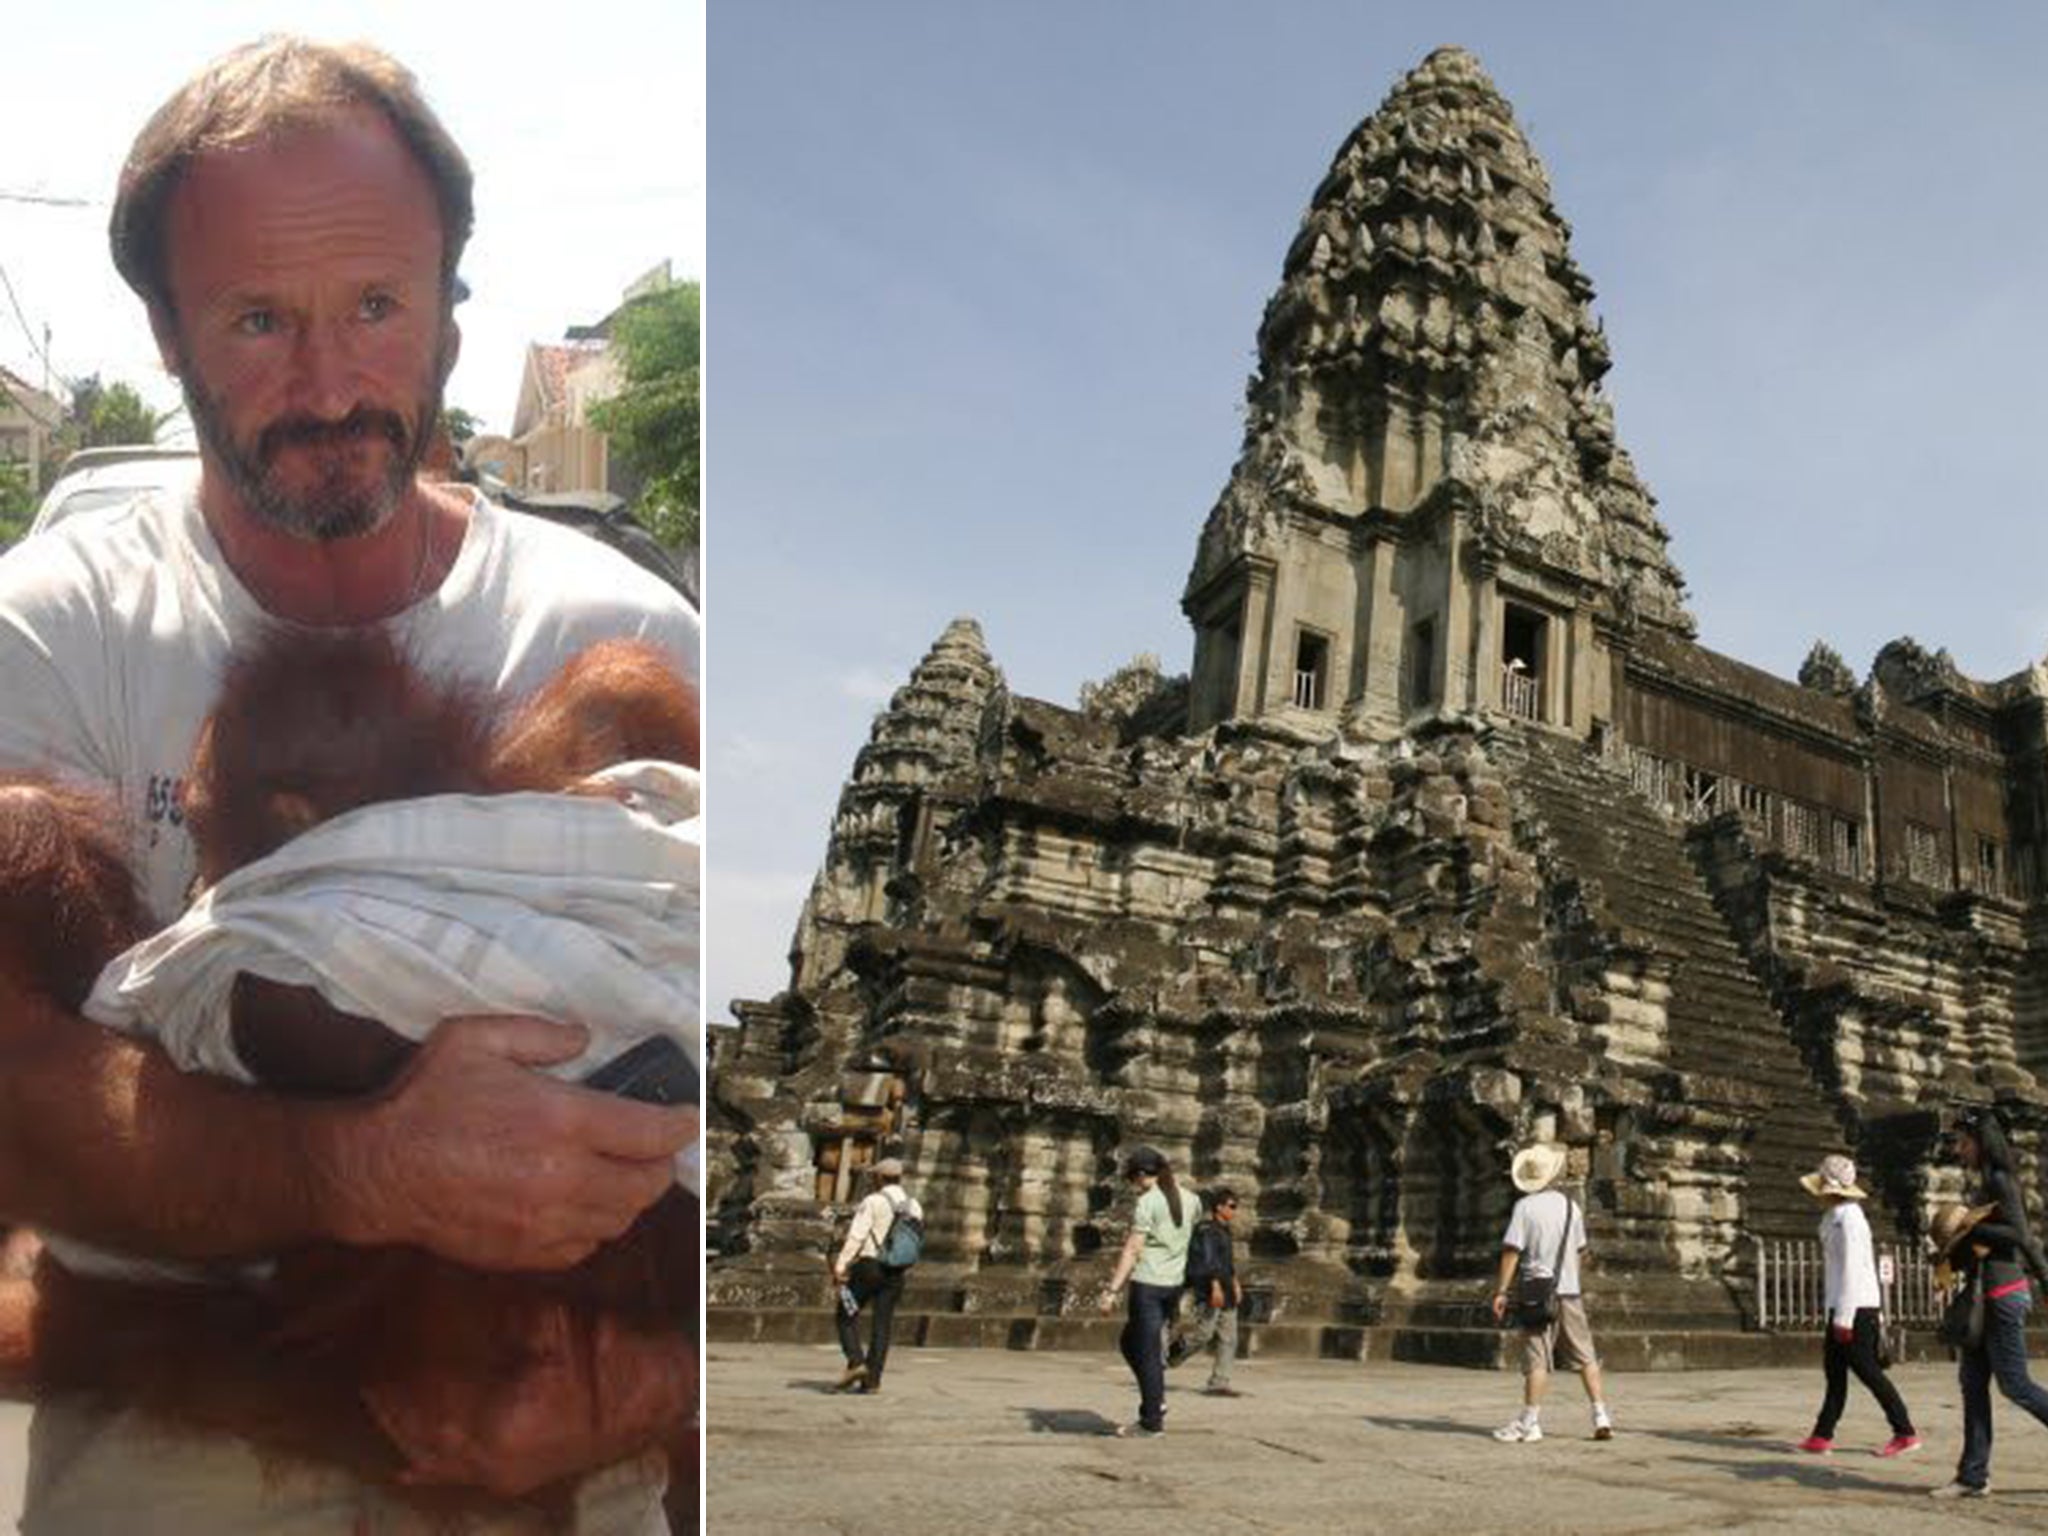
(1154, 1260)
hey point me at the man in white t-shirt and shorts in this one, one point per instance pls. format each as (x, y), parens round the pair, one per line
(1546, 1236)
(292, 219)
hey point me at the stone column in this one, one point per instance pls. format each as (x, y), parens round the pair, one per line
(1256, 650)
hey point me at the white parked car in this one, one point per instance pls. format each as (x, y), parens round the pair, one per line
(101, 477)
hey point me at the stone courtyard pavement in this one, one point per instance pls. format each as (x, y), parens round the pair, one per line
(973, 1442)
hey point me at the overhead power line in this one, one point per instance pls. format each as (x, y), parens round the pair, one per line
(45, 200)
(28, 330)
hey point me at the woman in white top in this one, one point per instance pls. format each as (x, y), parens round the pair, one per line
(1853, 1301)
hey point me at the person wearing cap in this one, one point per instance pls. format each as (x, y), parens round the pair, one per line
(1854, 1308)
(1154, 1261)
(865, 1283)
(1546, 1236)
(1212, 1281)
(2000, 1253)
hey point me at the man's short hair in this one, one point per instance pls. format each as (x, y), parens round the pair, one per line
(1222, 1195)
(258, 92)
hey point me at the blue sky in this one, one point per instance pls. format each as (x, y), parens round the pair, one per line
(984, 283)
(585, 129)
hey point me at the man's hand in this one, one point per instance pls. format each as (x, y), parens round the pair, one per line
(1108, 1302)
(1842, 1335)
(1500, 1305)
(476, 1157)
(592, 1393)
(1216, 1295)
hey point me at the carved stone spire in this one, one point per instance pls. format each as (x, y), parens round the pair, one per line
(920, 758)
(933, 721)
(1824, 671)
(1431, 338)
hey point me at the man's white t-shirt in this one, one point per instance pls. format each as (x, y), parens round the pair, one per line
(114, 629)
(872, 1219)
(1534, 1230)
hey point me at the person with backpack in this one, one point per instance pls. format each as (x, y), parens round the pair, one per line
(1212, 1281)
(1546, 1234)
(1154, 1260)
(1854, 1302)
(885, 1238)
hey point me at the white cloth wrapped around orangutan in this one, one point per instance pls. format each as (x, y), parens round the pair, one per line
(569, 907)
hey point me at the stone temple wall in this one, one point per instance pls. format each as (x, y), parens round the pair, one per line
(1345, 978)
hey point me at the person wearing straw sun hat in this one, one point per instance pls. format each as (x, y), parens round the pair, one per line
(1949, 1225)
(1545, 1237)
(1853, 1302)
(1998, 1256)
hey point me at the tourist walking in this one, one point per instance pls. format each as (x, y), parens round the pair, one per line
(1995, 1254)
(1154, 1262)
(870, 1270)
(1545, 1240)
(1855, 1319)
(1212, 1281)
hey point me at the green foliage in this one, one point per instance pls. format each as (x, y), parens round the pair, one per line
(653, 420)
(108, 416)
(460, 424)
(101, 416)
(17, 501)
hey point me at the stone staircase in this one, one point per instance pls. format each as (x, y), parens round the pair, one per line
(1637, 881)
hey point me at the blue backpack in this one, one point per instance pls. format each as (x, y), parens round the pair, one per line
(904, 1245)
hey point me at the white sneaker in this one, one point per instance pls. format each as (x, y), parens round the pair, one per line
(1603, 1422)
(1960, 1490)
(1517, 1430)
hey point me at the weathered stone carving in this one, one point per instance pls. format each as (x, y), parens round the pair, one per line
(1908, 669)
(1824, 671)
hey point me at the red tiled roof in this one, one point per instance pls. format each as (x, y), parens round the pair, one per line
(555, 364)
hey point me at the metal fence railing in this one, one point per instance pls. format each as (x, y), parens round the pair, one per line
(1519, 693)
(1791, 1280)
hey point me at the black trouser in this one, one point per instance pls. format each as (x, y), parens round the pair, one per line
(1149, 1310)
(875, 1288)
(2002, 1357)
(1858, 1355)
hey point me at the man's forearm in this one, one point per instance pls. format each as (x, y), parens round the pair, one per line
(856, 1233)
(470, 1152)
(1510, 1260)
(104, 1139)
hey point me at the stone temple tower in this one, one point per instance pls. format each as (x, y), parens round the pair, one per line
(1455, 839)
(1430, 512)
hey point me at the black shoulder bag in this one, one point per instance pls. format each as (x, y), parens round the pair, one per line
(1534, 1303)
(1962, 1315)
